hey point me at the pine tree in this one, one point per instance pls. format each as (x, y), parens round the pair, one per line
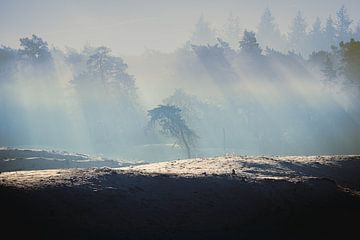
(249, 45)
(330, 33)
(297, 35)
(203, 33)
(316, 36)
(232, 31)
(268, 32)
(343, 23)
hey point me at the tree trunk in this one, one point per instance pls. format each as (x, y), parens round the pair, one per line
(185, 144)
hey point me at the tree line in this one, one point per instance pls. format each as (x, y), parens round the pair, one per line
(302, 37)
(99, 98)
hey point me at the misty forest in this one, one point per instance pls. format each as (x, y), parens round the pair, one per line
(239, 130)
(237, 91)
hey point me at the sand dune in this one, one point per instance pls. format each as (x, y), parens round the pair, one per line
(231, 197)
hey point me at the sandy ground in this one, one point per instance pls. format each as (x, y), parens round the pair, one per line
(13, 159)
(285, 167)
(231, 197)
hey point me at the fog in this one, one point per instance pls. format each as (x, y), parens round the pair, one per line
(250, 77)
(130, 27)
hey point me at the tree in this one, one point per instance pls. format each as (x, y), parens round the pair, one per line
(35, 50)
(329, 70)
(191, 107)
(351, 60)
(203, 33)
(316, 36)
(318, 58)
(104, 68)
(268, 32)
(356, 34)
(249, 45)
(330, 33)
(232, 31)
(107, 95)
(343, 23)
(216, 60)
(99, 63)
(8, 57)
(297, 35)
(104, 65)
(172, 124)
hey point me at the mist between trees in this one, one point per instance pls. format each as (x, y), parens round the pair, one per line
(235, 92)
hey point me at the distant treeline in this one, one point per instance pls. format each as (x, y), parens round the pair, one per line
(302, 37)
(247, 99)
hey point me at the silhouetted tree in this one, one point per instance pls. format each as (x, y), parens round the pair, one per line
(100, 63)
(249, 45)
(35, 50)
(172, 124)
(212, 57)
(102, 67)
(107, 95)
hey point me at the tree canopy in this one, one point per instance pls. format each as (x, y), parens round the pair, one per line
(249, 44)
(351, 60)
(172, 124)
(35, 49)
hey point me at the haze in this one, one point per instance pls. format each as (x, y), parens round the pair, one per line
(162, 80)
(131, 27)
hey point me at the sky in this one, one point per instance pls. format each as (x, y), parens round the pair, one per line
(130, 27)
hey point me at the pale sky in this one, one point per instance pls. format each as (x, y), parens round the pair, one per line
(129, 27)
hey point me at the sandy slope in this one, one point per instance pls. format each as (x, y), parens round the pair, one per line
(267, 197)
(342, 169)
(249, 166)
(13, 159)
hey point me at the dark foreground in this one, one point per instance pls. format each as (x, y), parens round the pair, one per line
(321, 202)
